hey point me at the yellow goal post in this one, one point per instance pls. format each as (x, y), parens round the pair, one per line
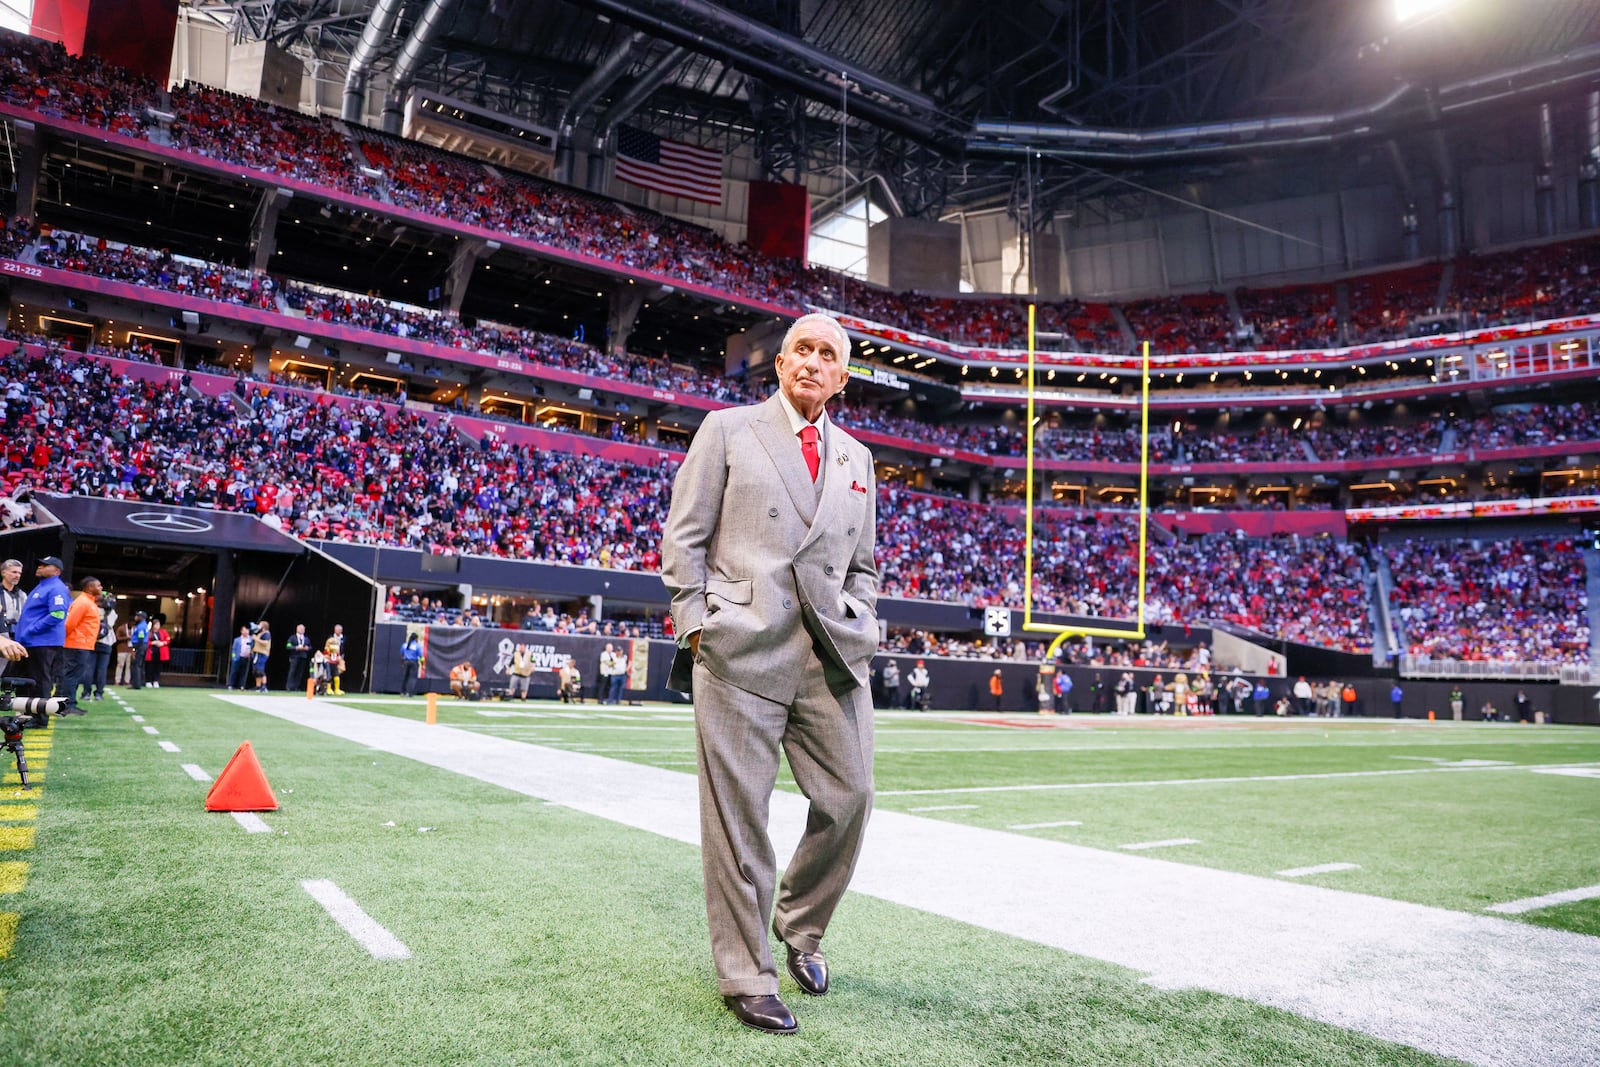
(1064, 633)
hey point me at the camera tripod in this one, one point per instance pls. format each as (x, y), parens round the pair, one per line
(11, 728)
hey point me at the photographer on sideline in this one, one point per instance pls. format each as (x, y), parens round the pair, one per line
(11, 598)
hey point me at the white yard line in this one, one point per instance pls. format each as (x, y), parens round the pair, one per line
(168, 746)
(358, 924)
(138, 718)
(1046, 786)
(1141, 846)
(252, 823)
(1044, 825)
(1571, 772)
(946, 807)
(1321, 868)
(193, 771)
(1549, 900)
(1403, 972)
(150, 730)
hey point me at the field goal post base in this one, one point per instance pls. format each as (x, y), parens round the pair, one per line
(1065, 633)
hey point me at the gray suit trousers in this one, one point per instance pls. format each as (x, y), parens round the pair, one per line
(828, 740)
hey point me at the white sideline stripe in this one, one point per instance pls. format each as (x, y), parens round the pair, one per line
(1044, 825)
(1140, 846)
(358, 924)
(1402, 972)
(1572, 772)
(193, 771)
(137, 718)
(1218, 781)
(1549, 900)
(946, 807)
(1321, 868)
(168, 746)
(252, 823)
(150, 730)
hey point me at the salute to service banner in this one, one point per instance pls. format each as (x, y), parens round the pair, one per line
(490, 652)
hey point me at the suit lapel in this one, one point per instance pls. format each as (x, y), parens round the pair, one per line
(783, 447)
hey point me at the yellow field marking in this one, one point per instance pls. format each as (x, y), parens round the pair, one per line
(13, 876)
(16, 779)
(15, 838)
(24, 794)
(8, 933)
(18, 812)
(1064, 632)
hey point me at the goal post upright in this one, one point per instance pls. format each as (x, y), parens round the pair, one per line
(1063, 633)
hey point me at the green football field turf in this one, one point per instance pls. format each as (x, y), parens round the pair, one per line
(152, 932)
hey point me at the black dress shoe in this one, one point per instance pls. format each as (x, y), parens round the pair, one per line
(809, 970)
(769, 1014)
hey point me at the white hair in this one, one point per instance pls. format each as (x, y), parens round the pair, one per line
(817, 317)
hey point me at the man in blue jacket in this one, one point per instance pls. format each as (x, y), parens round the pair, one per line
(42, 626)
(139, 642)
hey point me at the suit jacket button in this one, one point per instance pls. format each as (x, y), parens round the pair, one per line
(787, 603)
(772, 512)
(850, 532)
(828, 569)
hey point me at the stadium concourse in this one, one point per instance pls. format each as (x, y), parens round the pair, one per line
(446, 361)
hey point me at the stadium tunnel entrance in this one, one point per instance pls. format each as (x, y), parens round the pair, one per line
(208, 573)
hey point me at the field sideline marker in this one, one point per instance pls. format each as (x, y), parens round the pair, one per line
(1064, 632)
(1312, 776)
(1044, 825)
(1140, 846)
(252, 823)
(1549, 900)
(1321, 868)
(168, 746)
(946, 807)
(193, 771)
(358, 924)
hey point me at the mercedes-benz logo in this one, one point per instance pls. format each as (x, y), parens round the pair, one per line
(169, 522)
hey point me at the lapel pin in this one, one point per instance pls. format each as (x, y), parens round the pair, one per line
(844, 457)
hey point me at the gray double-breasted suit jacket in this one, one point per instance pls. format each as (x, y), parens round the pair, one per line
(769, 565)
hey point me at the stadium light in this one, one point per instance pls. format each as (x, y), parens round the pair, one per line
(1407, 12)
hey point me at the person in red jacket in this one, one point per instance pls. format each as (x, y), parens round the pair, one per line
(158, 652)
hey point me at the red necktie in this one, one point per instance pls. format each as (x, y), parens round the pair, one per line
(808, 449)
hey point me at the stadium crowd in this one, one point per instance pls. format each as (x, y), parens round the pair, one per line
(363, 471)
(1515, 286)
(1492, 600)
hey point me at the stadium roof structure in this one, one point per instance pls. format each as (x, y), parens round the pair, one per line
(941, 101)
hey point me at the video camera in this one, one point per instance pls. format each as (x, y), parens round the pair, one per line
(35, 714)
(26, 711)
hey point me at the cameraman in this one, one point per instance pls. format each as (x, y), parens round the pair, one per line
(11, 598)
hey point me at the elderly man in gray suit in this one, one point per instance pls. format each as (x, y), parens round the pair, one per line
(768, 555)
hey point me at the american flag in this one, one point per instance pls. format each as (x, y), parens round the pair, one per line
(670, 167)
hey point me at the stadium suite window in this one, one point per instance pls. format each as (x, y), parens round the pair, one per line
(840, 240)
